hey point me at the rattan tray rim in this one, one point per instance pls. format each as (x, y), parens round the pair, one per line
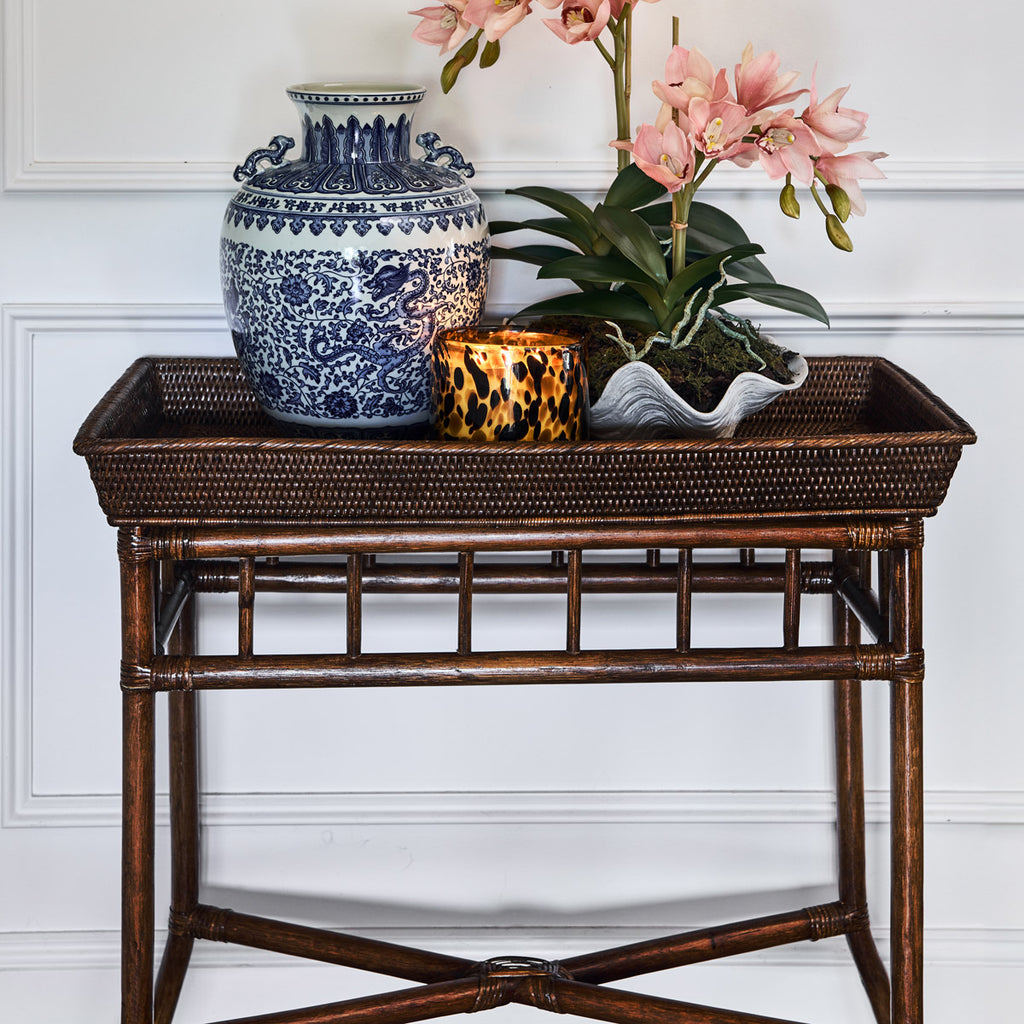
(91, 439)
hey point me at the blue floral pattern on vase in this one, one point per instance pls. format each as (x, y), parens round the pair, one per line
(346, 338)
(338, 267)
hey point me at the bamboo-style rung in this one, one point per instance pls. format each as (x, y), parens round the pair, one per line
(465, 642)
(496, 668)
(531, 577)
(791, 615)
(884, 585)
(218, 541)
(405, 962)
(403, 1007)
(170, 610)
(684, 599)
(354, 605)
(864, 605)
(246, 603)
(701, 945)
(622, 1007)
(574, 601)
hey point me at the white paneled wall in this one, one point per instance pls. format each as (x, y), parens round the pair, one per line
(498, 830)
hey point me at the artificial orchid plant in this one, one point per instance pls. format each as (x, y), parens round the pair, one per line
(649, 254)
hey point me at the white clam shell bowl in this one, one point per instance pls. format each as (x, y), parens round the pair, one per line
(638, 403)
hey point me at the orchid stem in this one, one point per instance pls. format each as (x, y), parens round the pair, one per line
(622, 70)
(609, 59)
(627, 96)
(681, 201)
(821, 205)
(703, 176)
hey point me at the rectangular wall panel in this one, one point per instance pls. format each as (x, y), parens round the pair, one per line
(103, 95)
(63, 733)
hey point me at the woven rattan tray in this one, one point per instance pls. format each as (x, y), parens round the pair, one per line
(183, 439)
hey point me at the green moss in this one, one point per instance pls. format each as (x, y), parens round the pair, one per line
(700, 372)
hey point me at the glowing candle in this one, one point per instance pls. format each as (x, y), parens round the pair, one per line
(507, 384)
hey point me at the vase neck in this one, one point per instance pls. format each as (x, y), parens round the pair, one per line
(348, 124)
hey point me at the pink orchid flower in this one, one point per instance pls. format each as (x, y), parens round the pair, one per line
(666, 156)
(844, 172)
(496, 17)
(758, 83)
(720, 128)
(835, 126)
(581, 20)
(785, 145)
(689, 74)
(443, 26)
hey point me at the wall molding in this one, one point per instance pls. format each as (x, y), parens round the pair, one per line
(23, 325)
(100, 950)
(20, 327)
(24, 171)
(518, 807)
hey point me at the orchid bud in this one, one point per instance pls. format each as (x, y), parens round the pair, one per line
(467, 51)
(450, 72)
(837, 233)
(788, 201)
(492, 51)
(840, 202)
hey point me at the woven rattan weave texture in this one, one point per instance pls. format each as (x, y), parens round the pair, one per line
(184, 438)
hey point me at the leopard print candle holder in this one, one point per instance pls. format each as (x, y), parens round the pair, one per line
(508, 384)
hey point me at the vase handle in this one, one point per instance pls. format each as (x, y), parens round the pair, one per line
(456, 162)
(279, 145)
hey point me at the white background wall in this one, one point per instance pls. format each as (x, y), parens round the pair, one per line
(539, 823)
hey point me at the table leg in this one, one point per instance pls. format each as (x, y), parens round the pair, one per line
(184, 831)
(907, 781)
(137, 917)
(138, 779)
(849, 754)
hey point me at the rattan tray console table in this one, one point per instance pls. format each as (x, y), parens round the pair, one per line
(208, 495)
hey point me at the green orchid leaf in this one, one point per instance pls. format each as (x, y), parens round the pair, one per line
(599, 269)
(709, 231)
(633, 237)
(715, 229)
(560, 227)
(588, 272)
(750, 268)
(779, 295)
(657, 215)
(562, 202)
(498, 227)
(714, 223)
(632, 189)
(701, 241)
(538, 255)
(691, 277)
(604, 305)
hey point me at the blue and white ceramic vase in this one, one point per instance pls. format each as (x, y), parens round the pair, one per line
(338, 267)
